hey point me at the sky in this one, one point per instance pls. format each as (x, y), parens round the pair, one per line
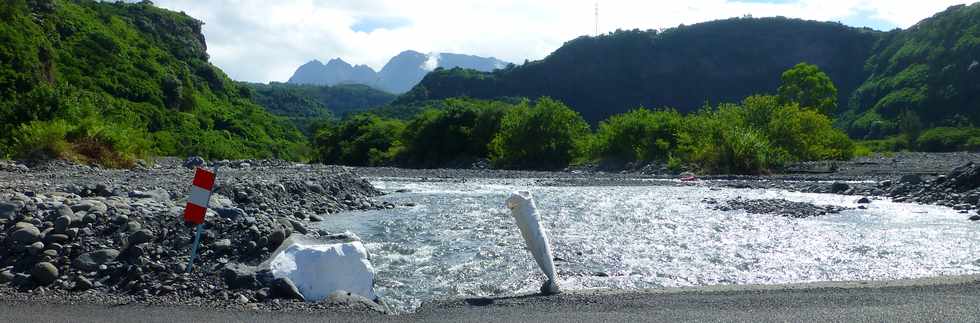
(262, 41)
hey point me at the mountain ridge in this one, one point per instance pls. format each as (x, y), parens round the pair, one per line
(398, 75)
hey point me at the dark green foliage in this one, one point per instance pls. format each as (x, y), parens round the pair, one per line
(808, 86)
(460, 132)
(304, 104)
(362, 140)
(108, 82)
(547, 135)
(930, 69)
(720, 61)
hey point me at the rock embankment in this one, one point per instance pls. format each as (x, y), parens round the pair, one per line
(958, 189)
(71, 229)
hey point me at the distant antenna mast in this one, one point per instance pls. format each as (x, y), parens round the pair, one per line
(597, 18)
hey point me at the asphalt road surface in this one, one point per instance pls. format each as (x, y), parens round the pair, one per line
(946, 299)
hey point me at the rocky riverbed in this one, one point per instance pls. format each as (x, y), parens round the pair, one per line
(86, 234)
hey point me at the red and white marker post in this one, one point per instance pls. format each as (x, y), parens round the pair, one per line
(197, 205)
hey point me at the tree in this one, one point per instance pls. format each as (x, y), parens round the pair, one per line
(548, 135)
(639, 135)
(810, 87)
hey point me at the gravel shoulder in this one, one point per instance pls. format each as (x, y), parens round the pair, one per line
(947, 299)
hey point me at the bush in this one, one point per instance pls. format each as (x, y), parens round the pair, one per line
(547, 135)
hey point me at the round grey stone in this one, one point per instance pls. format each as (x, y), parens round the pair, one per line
(44, 273)
(35, 248)
(62, 223)
(140, 237)
(91, 261)
(27, 234)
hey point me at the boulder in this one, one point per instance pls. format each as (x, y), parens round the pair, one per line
(90, 206)
(913, 179)
(35, 249)
(63, 222)
(233, 213)
(26, 234)
(354, 301)
(284, 288)
(82, 284)
(91, 261)
(839, 187)
(140, 237)
(222, 245)
(160, 195)
(44, 273)
(194, 161)
(864, 200)
(240, 276)
(8, 210)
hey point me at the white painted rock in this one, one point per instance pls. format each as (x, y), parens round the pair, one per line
(318, 270)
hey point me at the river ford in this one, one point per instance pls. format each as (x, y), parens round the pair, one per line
(456, 239)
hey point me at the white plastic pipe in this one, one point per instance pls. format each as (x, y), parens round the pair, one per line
(521, 205)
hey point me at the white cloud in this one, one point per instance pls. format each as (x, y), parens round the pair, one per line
(263, 41)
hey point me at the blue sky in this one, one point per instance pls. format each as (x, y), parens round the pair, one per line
(261, 41)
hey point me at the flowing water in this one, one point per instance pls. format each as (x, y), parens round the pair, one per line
(460, 240)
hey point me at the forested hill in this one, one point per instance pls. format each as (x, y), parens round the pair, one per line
(925, 76)
(306, 104)
(683, 67)
(107, 82)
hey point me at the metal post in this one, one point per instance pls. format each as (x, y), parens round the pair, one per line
(197, 241)
(200, 227)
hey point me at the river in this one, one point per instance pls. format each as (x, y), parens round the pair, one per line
(458, 240)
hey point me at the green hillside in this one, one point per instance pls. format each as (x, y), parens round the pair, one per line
(923, 77)
(306, 104)
(683, 67)
(107, 82)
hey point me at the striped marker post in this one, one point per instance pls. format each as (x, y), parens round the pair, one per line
(197, 205)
